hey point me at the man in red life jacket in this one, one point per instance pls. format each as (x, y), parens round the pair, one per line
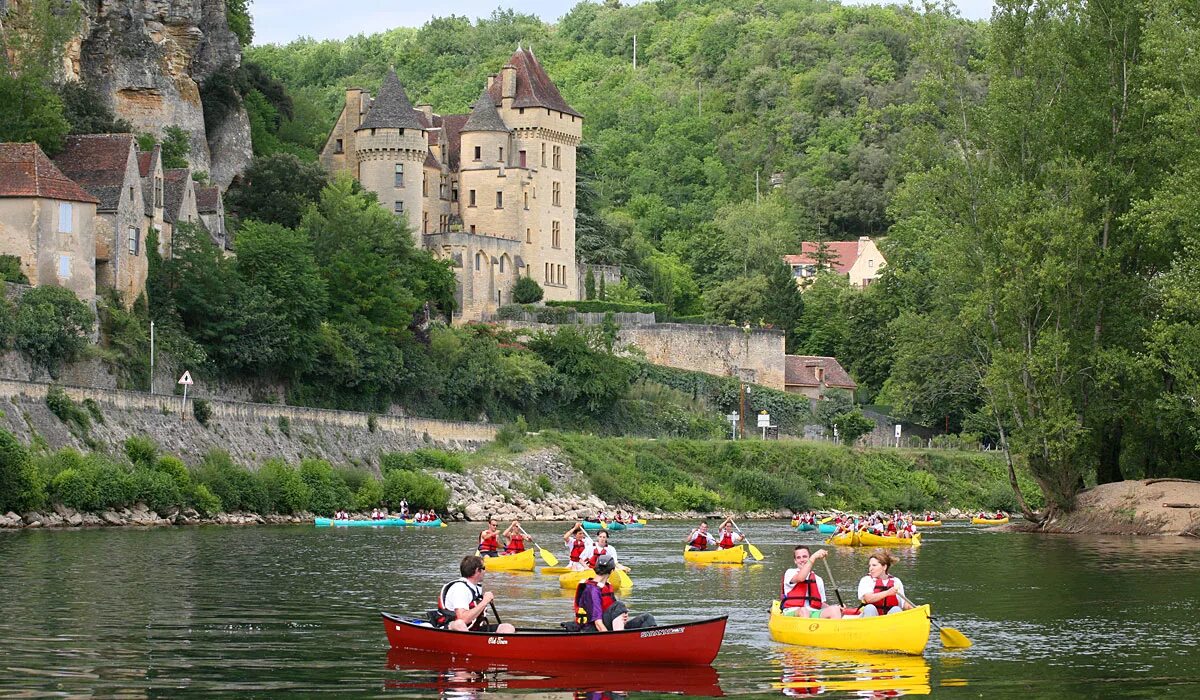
(803, 592)
(578, 544)
(726, 537)
(489, 540)
(698, 540)
(596, 606)
(462, 603)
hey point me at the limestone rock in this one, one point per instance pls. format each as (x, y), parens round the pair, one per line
(229, 144)
(112, 518)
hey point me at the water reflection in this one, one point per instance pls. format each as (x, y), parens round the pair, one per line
(808, 671)
(458, 677)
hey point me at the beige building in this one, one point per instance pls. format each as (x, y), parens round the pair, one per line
(859, 260)
(493, 190)
(106, 165)
(179, 204)
(210, 205)
(47, 221)
(814, 376)
(153, 193)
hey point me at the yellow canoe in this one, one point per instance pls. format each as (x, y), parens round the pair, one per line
(845, 539)
(521, 561)
(927, 523)
(867, 539)
(813, 671)
(733, 555)
(906, 632)
(989, 521)
(620, 580)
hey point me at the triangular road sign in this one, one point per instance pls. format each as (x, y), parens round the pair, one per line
(186, 379)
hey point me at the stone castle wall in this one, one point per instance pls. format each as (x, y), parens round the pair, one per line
(753, 355)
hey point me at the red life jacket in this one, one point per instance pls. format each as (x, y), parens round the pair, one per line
(726, 540)
(515, 544)
(596, 552)
(887, 603)
(489, 543)
(607, 598)
(699, 541)
(804, 593)
(446, 615)
(577, 548)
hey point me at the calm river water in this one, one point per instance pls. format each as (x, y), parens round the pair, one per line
(294, 610)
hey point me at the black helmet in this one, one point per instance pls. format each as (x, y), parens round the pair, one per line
(605, 564)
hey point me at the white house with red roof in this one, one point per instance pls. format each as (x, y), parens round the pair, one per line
(859, 260)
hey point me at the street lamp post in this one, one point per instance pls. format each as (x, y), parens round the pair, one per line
(152, 357)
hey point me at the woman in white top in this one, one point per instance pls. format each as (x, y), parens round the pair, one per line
(880, 592)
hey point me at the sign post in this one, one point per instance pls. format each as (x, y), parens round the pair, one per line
(897, 435)
(186, 381)
(764, 422)
(733, 424)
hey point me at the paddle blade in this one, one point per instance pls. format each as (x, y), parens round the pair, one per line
(754, 552)
(547, 557)
(953, 639)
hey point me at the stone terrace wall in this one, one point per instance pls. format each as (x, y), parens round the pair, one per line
(754, 355)
(250, 432)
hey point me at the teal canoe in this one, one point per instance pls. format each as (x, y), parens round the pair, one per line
(806, 527)
(828, 529)
(593, 526)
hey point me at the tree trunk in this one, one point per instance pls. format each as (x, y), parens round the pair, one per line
(1108, 469)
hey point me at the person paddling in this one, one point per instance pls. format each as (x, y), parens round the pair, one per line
(599, 548)
(803, 592)
(880, 592)
(489, 540)
(596, 606)
(577, 543)
(514, 539)
(699, 539)
(462, 603)
(727, 538)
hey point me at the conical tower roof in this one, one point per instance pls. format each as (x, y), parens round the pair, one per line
(391, 108)
(484, 116)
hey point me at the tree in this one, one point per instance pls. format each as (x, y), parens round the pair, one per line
(53, 326)
(527, 291)
(852, 425)
(30, 111)
(21, 488)
(783, 305)
(176, 147)
(589, 284)
(237, 16)
(87, 112)
(742, 299)
(276, 189)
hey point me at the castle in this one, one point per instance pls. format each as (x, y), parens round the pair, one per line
(492, 191)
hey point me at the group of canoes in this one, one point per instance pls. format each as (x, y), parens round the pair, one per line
(382, 518)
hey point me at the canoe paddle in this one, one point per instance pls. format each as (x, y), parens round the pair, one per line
(754, 551)
(547, 557)
(951, 638)
(837, 592)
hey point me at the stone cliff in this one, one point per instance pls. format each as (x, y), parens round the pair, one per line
(150, 58)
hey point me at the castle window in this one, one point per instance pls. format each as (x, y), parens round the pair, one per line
(337, 147)
(478, 152)
(543, 155)
(555, 231)
(424, 184)
(425, 222)
(501, 156)
(556, 194)
(443, 184)
(558, 157)
(521, 110)
(454, 194)
(472, 228)
(501, 263)
(64, 267)
(470, 198)
(499, 200)
(399, 207)
(546, 276)
(133, 240)
(65, 213)
(521, 158)
(529, 235)
(526, 196)
(399, 176)
(478, 259)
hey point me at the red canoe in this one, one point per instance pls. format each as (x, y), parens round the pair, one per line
(688, 644)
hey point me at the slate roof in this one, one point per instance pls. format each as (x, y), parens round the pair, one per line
(842, 255)
(97, 163)
(25, 171)
(208, 200)
(174, 185)
(801, 370)
(391, 108)
(484, 116)
(453, 124)
(534, 87)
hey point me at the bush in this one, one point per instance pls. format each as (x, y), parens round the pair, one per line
(201, 411)
(53, 326)
(353, 478)
(156, 489)
(67, 410)
(397, 461)
(141, 450)
(369, 494)
(21, 487)
(115, 487)
(597, 306)
(438, 460)
(74, 489)
(285, 426)
(512, 432)
(174, 468)
(236, 488)
(420, 490)
(205, 501)
(286, 491)
(10, 270)
(93, 410)
(695, 497)
(852, 425)
(527, 291)
(328, 491)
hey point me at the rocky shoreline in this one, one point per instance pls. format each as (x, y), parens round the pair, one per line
(138, 516)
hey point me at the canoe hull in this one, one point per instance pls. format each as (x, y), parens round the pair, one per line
(827, 529)
(733, 555)
(927, 523)
(989, 521)
(805, 527)
(867, 539)
(570, 580)
(688, 644)
(521, 561)
(906, 632)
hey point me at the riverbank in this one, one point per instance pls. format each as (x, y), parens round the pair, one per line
(1145, 507)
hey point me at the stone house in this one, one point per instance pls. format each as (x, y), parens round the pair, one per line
(150, 169)
(860, 261)
(179, 204)
(47, 220)
(492, 190)
(210, 205)
(106, 165)
(814, 376)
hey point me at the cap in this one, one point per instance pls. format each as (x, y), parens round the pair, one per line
(605, 564)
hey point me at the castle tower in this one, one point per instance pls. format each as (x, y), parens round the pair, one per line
(390, 147)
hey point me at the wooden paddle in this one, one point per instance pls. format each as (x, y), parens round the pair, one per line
(951, 638)
(836, 592)
(495, 612)
(547, 557)
(754, 551)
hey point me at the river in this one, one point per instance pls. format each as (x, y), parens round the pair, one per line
(294, 609)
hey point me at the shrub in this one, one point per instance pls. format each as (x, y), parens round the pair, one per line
(66, 458)
(115, 487)
(156, 489)
(439, 460)
(285, 425)
(205, 501)
(852, 425)
(369, 494)
(527, 291)
(544, 483)
(141, 450)
(74, 489)
(53, 326)
(93, 409)
(397, 461)
(372, 423)
(695, 497)
(512, 431)
(286, 491)
(236, 488)
(176, 470)
(353, 478)
(420, 490)
(67, 410)
(10, 270)
(21, 486)
(201, 411)
(328, 491)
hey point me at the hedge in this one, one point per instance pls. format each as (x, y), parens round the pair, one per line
(597, 306)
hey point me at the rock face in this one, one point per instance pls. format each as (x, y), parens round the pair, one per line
(150, 58)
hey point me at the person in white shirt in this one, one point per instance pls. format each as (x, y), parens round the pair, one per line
(803, 592)
(699, 539)
(880, 592)
(598, 548)
(463, 603)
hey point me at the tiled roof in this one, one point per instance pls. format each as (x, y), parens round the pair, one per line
(801, 370)
(391, 108)
(97, 162)
(534, 87)
(26, 172)
(484, 116)
(453, 124)
(431, 161)
(175, 185)
(208, 200)
(842, 255)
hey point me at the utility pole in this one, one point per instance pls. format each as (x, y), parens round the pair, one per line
(152, 357)
(742, 409)
(635, 51)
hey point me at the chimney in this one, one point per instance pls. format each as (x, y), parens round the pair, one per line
(354, 107)
(862, 243)
(427, 110)
(508, 82)
(491, 81)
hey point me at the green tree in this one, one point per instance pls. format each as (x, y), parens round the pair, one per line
(31, 111)
(87, 112)
(53, 326)
(176, 147)
(783, 304)
(21, 488)
(277, 189)
(527, 291)
(589, 285)
(237, 15)
(852, 425)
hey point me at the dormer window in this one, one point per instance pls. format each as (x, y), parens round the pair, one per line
(337, 146)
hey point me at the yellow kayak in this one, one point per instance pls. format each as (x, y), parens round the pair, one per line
(906, 632)
(927, 523)
(845, 539)
(989, 521)
(570, 580)
(867, 539)
(733, 555)
(521, 561)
